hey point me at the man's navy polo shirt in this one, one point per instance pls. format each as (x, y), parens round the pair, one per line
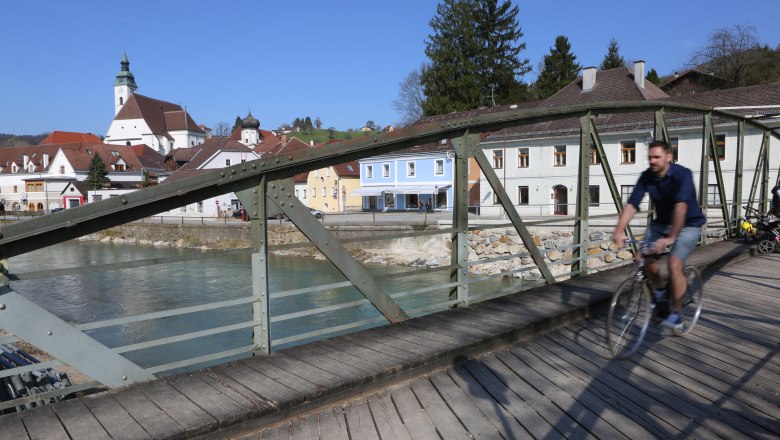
(676, 186)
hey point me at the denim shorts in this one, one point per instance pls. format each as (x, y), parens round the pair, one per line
(686, 240)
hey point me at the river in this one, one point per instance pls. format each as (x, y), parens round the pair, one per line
(96, 296)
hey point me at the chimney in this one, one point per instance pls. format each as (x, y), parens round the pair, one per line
(588, 79)
(311, 142)
(24, 161)
(639, 74)
(45, 160)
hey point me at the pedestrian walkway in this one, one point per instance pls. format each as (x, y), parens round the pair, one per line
(465, 371)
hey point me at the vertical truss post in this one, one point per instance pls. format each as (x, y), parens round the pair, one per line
(704, 171)
(660, 132)
(765, 174)
(254, 201)
(738, 170)
(759, 166)
(459, 257)
(581, 233)
(510, 210)
(724, 209)
(610, 178)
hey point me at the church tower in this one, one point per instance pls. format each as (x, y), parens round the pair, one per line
(249, 134)
(124, 86)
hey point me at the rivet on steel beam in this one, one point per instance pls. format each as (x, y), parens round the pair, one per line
(289, 157)
(49, 333)
(281, 188)
(277, 160)
(282, 203)
(273, 186)
(1, 234)
(124, 377)
(289, 195)
(124, 201)
(222, 174)
(243, 168)
(326, 243)
(254, 165)
(233, 171)
(2, 306)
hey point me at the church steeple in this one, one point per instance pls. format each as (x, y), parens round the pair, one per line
(125, 85)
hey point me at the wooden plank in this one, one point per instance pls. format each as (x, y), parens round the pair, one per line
(531, 420)
(376, 342)
(149, 416)
(333, 425)
(114, 418)
(305, 428)
(222, 408)
(445, 421)
(339, 360)
(326, 363)
(193, 419)
(359, 420)
(373, 359)
(285, 378)
(277, 432)
(419, 425)
(12, 427)
(388, 422)
(585, 416)
(79, 421)
(237, 392)
(42, 423)
(317, 376)
(493, 408)
(261, 385)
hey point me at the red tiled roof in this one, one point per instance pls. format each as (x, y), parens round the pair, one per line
(161, 116)
(64, 137)
(79, 154)
(150, 159)
(213, 146)
(292, 145)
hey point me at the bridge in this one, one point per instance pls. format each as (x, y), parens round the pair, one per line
(427, 348)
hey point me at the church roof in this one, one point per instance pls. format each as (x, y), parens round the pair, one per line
(161, 116)
(64, 137)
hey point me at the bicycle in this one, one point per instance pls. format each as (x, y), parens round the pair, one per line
(634, 305)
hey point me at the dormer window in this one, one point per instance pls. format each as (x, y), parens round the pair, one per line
(31, 168)
(14, 169)
(89, 152)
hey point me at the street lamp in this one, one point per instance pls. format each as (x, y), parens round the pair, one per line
(343, 198)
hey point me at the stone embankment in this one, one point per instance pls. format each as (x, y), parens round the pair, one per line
(491, 251)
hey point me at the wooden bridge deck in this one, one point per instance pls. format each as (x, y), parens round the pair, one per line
(464, 373)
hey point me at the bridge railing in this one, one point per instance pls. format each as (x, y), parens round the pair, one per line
(254, 320)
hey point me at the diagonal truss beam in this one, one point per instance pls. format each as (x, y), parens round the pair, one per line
(514, 217)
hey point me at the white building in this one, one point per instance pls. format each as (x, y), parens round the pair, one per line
(538, 163)
(139, 119)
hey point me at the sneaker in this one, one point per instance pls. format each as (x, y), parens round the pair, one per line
(673, 322)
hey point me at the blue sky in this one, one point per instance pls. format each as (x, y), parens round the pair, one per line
(340, 60)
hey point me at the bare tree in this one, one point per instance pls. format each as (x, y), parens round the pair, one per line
(728, 53)
(222, 129)
(410, 97)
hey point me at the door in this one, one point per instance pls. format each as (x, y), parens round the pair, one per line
(561, 200)
(372, 202)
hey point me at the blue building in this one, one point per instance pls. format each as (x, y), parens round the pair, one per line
(403, 181)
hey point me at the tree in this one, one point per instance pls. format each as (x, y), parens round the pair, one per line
(331, 132)
(474, 48)
(97, 174)
(221, 129)
(318, 122)
(411, 97)
(613, 58)
(653, 77)
(307, 125)
(728, 53)
(560, 68)
(236, 124)
(371, 125)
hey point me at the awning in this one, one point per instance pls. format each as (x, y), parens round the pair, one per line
(372, 190)
(419, 189)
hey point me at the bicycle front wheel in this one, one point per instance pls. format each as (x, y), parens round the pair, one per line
(692, 301)
(628, 318)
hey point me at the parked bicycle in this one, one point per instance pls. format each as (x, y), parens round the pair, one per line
(634, 305)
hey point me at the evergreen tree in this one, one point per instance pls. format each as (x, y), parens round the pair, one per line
(560, 68)
(308, 126)
(97, 174)
(613, 58)
(474, 49)
(236, 124)
(653, 77)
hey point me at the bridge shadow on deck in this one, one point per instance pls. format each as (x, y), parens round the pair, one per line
(473, 349)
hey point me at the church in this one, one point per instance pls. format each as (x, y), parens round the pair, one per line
(139, 119)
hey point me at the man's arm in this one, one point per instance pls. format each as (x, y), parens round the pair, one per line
(619, 234)
(678, 221)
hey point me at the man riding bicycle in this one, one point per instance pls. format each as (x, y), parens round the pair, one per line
(678, 220)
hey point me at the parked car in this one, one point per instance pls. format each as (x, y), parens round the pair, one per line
(53, 210)
(316, 213)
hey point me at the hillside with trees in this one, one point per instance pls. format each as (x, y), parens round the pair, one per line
(20, 140)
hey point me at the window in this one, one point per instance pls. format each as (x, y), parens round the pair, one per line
(296, 193)
(720, 146)
(594, 155)
(327, 172)
(30, 187)
(522, 158)
(119, 167)
(89, 152)
(439, 167)
(560, 156)
(97, 198)
(625, 193)
(121, 100)
(227, 162)
(628, 152)
(713, 196)
(674, 142)
(389, 200)
(200, 207)
(62, 169)
(183, 209)
(13, 168)
(324, 192)
(498, 159)
(495, 198)
(410, 172)
(593, 195)
(16, 188)
(314, 192)
(522, 195)
(385, 170)
(304, 193)
(369, 172)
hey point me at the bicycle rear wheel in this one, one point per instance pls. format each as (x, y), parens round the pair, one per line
(628, 318)
(692, 301)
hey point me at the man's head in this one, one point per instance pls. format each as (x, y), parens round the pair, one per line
(659, 154)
